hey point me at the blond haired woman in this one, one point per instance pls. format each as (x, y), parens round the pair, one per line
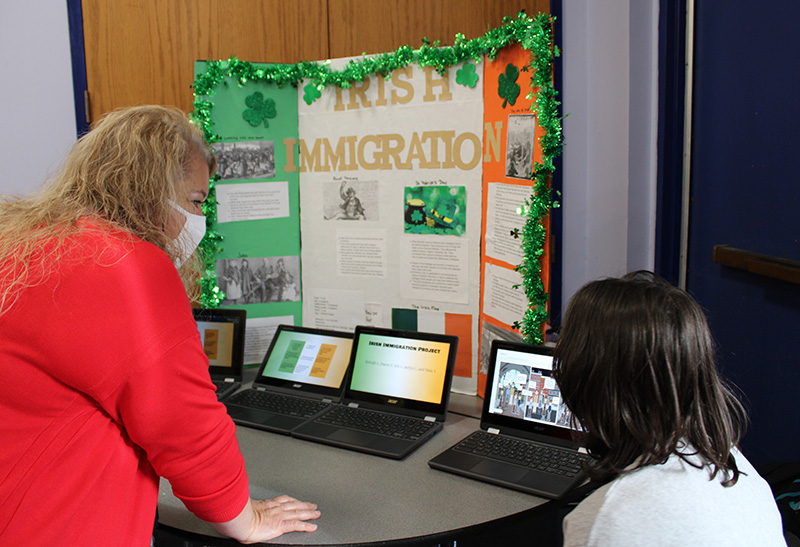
(106, 383)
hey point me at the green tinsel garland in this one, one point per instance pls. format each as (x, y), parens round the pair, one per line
(533, 34)
(538, 207)
(210, 294)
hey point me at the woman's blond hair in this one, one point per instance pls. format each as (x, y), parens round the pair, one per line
(124, 172)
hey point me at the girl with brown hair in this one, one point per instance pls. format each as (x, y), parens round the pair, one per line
(635, 364)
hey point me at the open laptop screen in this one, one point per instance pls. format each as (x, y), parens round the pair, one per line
(524, 394)
(222, 335)
(309, 356)
(525, 388)
(402, 369)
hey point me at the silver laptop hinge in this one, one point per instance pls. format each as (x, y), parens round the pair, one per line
(430, 418)
(325, 400)
(352, 405)
(260, 388)
(582, 450)
(229, 380)
(493, 431)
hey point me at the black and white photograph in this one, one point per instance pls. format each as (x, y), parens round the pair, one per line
(519, 145)
(350, 200)
(259, 280)
(245, 160)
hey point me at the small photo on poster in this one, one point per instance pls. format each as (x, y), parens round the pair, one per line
(439, 210)
(259, 280)
(519, 145)
(350, 200)
(245, 160)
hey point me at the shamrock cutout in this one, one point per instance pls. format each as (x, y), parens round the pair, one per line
(311, 94)
(259, 109)
(417, 217)
(466, 75)
(507, 87)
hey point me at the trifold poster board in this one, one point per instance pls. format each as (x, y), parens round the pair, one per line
(394, 201)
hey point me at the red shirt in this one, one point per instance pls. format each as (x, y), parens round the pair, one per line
(105, 387)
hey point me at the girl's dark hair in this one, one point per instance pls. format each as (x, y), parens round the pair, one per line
(635, 364)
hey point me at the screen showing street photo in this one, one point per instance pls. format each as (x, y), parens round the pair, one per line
(525, 389)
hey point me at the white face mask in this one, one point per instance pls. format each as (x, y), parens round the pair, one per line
(192, 232)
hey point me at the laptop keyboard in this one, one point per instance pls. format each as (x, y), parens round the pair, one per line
(224, 387)
(524, 453)
(400, 427)
(279, 404)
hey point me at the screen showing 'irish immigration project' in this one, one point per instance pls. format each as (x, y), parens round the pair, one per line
(310, 358)
(400, 367)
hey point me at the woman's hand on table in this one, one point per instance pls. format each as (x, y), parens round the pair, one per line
(262, 520)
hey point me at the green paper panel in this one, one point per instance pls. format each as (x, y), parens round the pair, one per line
(261, 241)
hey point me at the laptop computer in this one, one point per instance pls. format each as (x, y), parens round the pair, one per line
(399, 381)
(525, 416)
(301, 375)
(222, 333)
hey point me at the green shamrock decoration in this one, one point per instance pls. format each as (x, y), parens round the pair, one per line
(507, 87)
(466, 75)
(417, 217)
(259, 110)
(312, 93)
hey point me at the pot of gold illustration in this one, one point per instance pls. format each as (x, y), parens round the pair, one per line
(415, 212)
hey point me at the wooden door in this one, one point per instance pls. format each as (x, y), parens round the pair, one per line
(143, 51)
(375, 26)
